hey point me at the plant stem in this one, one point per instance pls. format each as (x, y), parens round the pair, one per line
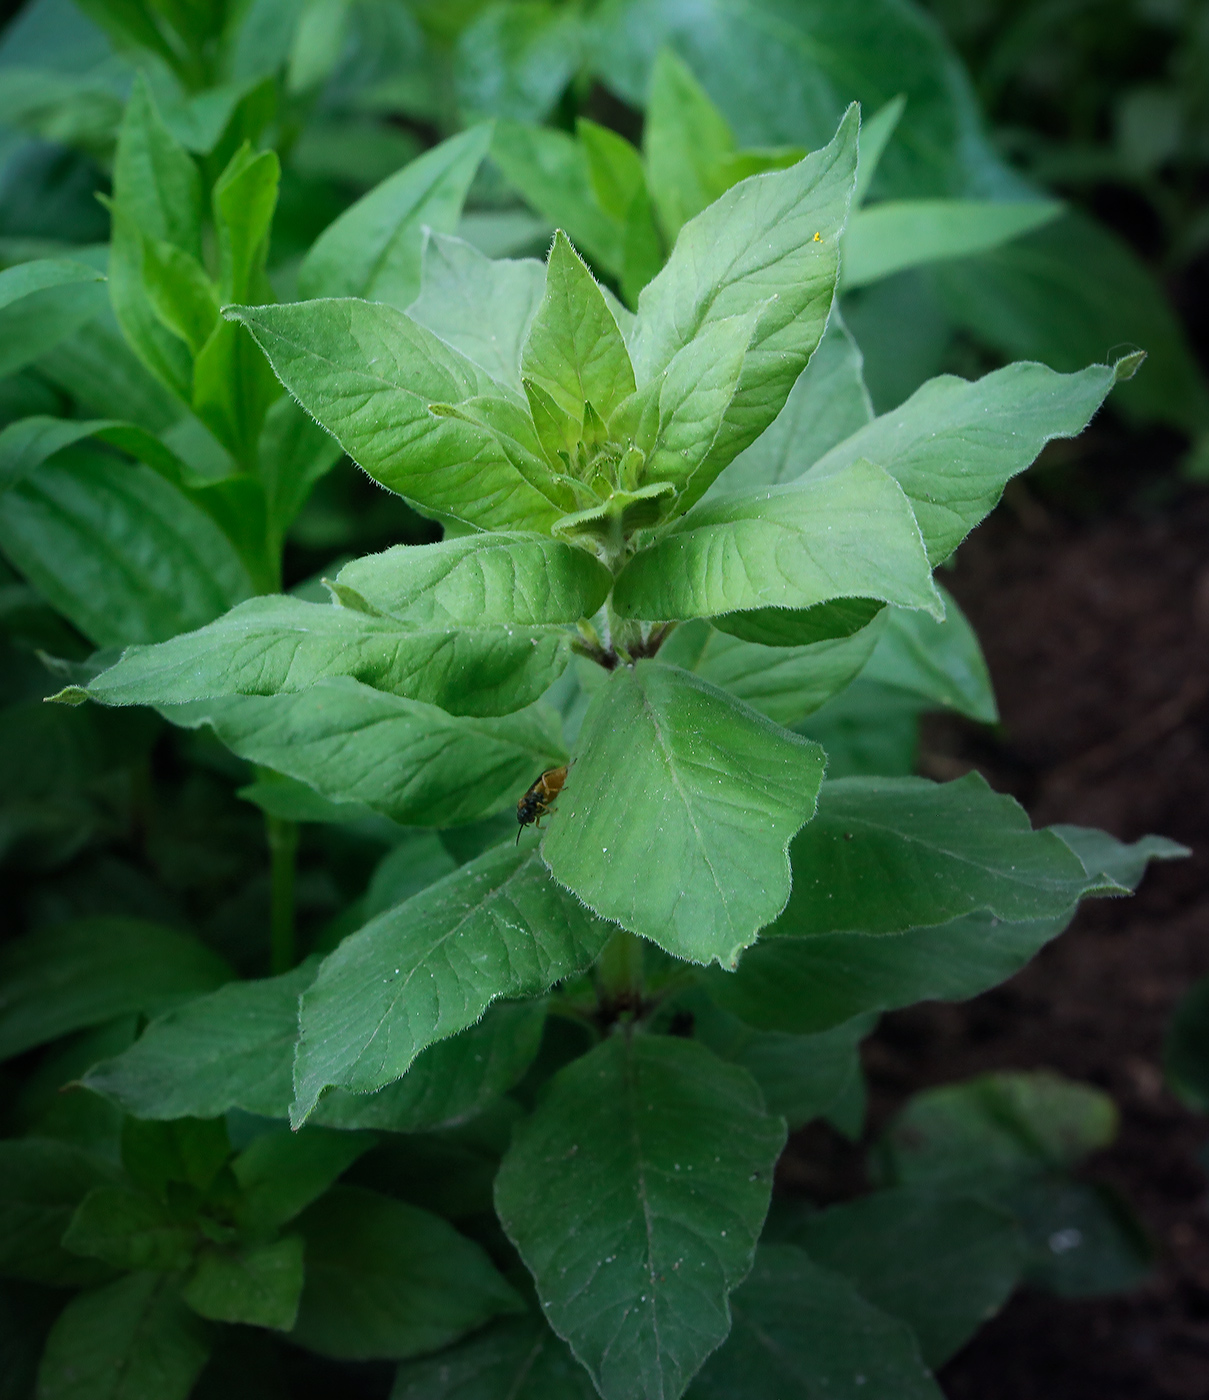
(619, 969)
(283, 850)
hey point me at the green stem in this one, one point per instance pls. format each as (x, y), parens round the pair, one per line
(283, 851)
(619, 969)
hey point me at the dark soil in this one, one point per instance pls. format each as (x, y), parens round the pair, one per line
(1097, 636)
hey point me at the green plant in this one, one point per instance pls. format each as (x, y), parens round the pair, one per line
(669, 537)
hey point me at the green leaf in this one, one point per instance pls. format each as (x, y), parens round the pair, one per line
(41, 1184)
(41, 302)
(385, 1279)
(118, 550)
(481, 581)
(515, 60)
(1119, 864)
(827, 404)
(481, 306)
(516, 1359)
(754, 249)
(370, 376)
(71, 975)
(131, 1340)
(906, 233)
(676, 819)
(281, 645)
(783, 682)
(1186, 1048)
(876, 132)
(801, 1331)
(943, 1263)
(686, 140)
(884, 855)
(259, 1286)
(428, 968)
(281, 1173)
(574, 350)
(941, 662)
(800, 1076)
(1063, 294)
(233, 1048)
(840, 536)
(793, 627)
(373, 249)
(635, 1194)
(554, 174)
(408, 761)
(159, 1157)
(130, 1230)
(954, 445)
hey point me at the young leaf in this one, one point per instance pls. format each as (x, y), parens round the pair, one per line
(116, 549)
(770, 244)
(954, 445)
(888, 854)
(281, 1173)
(161, 1156)
(77, 974)
(944, 1263)
(370, 376)
(41, 1184)
(676, 818)
(686, 140)
(280, 645)
(385, 1279)
(515, 1359)
(373, 249)
(905, 233)
(480, 306)
(259, 1286)
(802, 1331)
(635, 1194)
(130, 1230)
(849, 536)
(481, 581)
(42, 302)
(408, 761)
(498, 927)
(131, 1340)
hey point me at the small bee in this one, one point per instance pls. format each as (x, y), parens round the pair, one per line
(538, 802)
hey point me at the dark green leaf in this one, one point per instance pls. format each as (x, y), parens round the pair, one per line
(259, 1286)
(518, 1359)
(676, 818)
(635, 1195)
(802, 1332)
(1118, 864)
(384, 1279)
(1084, 1241)
(130, 1230)
(73, 975)
(41, 1184)
(187, 1152)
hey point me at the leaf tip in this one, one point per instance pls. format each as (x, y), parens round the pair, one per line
(1127, 366)
(69, 695)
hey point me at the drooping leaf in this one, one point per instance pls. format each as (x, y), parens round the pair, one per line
(41, 302)
(942, 1262)
(905, 233)
(801, 1331)
(481, 306)
(371, 376)
(842, 536)
(408, 761)
(41, 1184)
(635, 1194)
(131, 1340)
(676, 817)
(373, 249)
(71, 975)
(385, 1279)
(754, 249)
(282, 645)
(497, 927)
(954, 445)
(482, 580)
(259, 1286)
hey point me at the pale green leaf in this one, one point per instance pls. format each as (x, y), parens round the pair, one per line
(876, 132)
(282, 645)
(840, 536)
(480, 581)
(259, 1286)
(898, 234)
(515, 60)
(498, 927)
(41, 303)
(373, 249)
(676, 817)
(385, 1279)
(635, 1194)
